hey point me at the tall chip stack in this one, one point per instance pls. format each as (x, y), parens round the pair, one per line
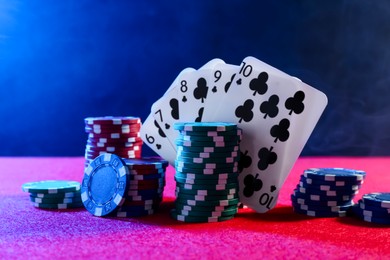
(117, 135)
(114, 186)
(206, 172)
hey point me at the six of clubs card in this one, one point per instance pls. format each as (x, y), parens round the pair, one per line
(276, 112)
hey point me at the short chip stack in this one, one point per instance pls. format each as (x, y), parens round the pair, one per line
(374, 207)
(146, 187)
(117, 135)
(123, 187)
(206, 172)
(54, 194)
(327, 192)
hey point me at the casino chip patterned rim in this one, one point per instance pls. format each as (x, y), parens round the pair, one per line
(104, 184)
(51, 186)
(331, 174)
(205, 126)
(379, 199)
(197, 219)
(112, 120)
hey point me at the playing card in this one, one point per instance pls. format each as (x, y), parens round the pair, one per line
(223, 76)
(277, 114)
(186, 99)
(153, 135)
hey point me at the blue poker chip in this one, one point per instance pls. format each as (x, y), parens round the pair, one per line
(321, 203)
(321, 208)
(371, 216)
(323, 187)
(323, 198)
(334, 183)
(104, 184)
(378, 199)
(364, 206)
(328, 193)
(320, 214)
(332, 174)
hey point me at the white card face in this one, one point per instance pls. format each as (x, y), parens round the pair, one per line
(277, 114)
(154, 136)
(184, 103)
(220, 84)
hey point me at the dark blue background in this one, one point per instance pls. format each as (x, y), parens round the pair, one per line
(61, 61)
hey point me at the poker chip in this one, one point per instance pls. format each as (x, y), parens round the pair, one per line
(198, 219)
(58, 205)
(378, 199)
(51, 186)
(111, 120)
(374, 208)
(55, 200)
(205, 126)
(60, 195)
(210, 133)
(104, 184)
(206, 172)
(326, 192)
(133, 213)
(54, 194)
(207, 149)
(207, 155)
(116, 135)
(334, 174)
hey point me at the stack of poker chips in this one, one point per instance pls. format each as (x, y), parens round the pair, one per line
(117, 135)
(327, 192)
(374, 207)
(123, 187)
(206, 172)
(53, 194)
(146, 187)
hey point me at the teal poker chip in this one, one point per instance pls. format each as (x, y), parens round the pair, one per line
(205, 126)
(378, 199)
(182, 196)
(334, 174)
(206, 192)
(60, 195)
(192, 176)
(207, 149)
(198, 219)
(192, 202)
(215, 187)
(104, 185)
(200, 170)
(51, 186)
(198, 160)
(190, 165)
(211, 139)
(133, 213)
(58, 205)
(195, 213)
(214, 155)
(180, 206)
(56, 200)
(237, 132)
(206, 182)
(181, 142)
